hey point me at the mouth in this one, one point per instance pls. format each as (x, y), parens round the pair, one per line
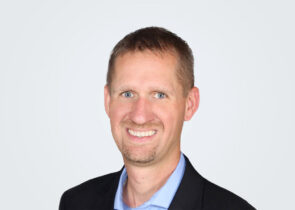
(141, 134)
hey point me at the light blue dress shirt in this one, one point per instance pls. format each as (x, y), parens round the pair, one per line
(162, 198)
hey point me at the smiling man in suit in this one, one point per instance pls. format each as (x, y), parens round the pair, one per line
(149, 93)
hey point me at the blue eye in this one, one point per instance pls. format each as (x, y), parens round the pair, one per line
(127, 94)
(160, 95)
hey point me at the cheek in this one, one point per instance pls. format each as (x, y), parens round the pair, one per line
(117, 112)
(171, 115)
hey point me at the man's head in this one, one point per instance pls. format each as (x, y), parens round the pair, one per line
(157, 40)
(146, 97)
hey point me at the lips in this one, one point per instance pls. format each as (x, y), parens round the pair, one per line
(141, 134)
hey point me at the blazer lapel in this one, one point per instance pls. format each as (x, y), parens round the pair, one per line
(190, 192)
(108, 193)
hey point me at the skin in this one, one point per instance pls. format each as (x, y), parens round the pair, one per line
(146, 96)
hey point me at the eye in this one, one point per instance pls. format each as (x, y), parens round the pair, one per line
(160, 95)
(127, 94)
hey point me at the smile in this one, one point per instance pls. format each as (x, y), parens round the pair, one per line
(141, 134)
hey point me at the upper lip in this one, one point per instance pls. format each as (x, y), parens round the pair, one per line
(141, 130)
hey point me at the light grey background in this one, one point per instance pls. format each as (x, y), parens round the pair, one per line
(54, 133)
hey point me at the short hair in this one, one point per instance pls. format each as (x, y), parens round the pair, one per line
(161, 40)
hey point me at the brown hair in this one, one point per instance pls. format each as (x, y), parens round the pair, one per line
(157, 39)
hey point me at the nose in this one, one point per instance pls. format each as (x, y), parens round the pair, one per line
(141, 111)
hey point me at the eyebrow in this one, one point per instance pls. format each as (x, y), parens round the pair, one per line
(162, 89)
(152, 88)
(121, 89)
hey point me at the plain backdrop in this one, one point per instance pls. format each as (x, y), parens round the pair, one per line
(54, 133)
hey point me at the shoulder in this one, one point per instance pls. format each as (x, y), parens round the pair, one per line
(207, 195)
(216, 197)
(94, 185)
(91, 192)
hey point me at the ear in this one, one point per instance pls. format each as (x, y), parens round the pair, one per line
(192, 103)
(107, 98)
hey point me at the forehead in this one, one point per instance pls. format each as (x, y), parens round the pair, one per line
(142, 68)
(167, 58)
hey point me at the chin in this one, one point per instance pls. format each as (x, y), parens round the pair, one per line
(139, 157)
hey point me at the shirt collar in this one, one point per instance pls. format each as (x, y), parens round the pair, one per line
(163, 197)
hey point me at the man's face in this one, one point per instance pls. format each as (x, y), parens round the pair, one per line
(146, 106)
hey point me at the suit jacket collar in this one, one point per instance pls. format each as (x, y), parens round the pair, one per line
(108, 194)
(190, 192)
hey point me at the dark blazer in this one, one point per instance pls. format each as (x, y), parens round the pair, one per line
(194, 193)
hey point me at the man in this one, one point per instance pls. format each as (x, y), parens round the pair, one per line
(149, 93)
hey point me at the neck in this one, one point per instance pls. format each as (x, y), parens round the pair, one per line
(144, 182)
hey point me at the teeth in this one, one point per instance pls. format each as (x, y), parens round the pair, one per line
(141, 134)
